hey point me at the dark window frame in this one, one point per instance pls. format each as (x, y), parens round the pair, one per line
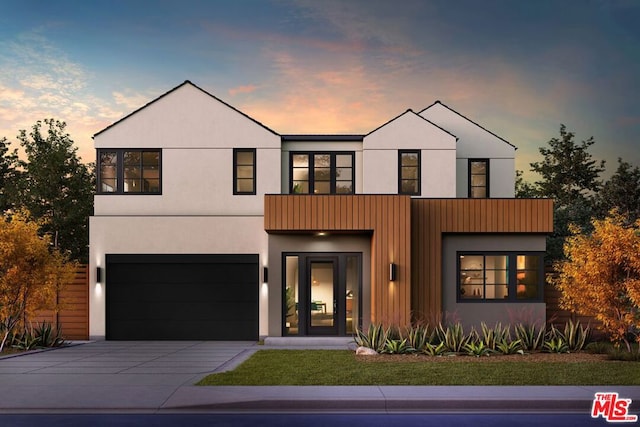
(512, 271)
(120, 171)
(332, 165)
(236, 192)
(419, 172)
(487, 181)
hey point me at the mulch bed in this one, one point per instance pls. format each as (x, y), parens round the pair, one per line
(494, 358)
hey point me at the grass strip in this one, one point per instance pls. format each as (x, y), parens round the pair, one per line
(341, 367)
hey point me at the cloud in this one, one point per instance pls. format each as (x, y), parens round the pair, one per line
(242, 89)
(38, 80)
(131, 100)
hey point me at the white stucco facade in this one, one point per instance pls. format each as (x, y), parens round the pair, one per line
(475, 142)
(409, 131)
(197, 212)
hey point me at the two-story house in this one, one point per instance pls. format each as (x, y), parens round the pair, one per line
(210, 225)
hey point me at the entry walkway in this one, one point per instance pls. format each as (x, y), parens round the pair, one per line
(155, 377)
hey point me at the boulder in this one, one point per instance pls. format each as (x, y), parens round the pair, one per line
(366, 351)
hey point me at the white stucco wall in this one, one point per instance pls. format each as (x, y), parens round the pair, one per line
(474, 142)
(197, 135)
(198, 181)
(409, 132)
(171, 235)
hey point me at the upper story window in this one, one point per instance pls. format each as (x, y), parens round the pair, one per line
(244, 171)
(321, 173)
(478, 178)
(129, 171)
(409, 172)
(500, 276)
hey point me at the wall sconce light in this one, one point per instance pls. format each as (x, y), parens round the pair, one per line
(265, 274)
(393, 272)
(98, 274)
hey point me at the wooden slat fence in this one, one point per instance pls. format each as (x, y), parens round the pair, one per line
(73, 319)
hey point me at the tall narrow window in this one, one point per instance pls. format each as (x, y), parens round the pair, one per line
(321, 173)
(478, 178)
(244, 171)
(108, 172)
(409, 172)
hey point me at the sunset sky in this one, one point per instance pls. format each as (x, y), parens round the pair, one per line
(519, 68)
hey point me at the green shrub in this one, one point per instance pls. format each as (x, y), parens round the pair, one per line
(598, 347)
(431, 349)
(531, 337)
(555, 345)
(509, 347)
(393, 346)
(617, 353)
(453, 337)
(43, 335)
(375, 338)
(493, 336)
(418, 336)
(48, 336)
(477, 349)
(576, 336)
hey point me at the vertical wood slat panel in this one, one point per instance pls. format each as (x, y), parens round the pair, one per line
(412, 235)
(455, 216)
(73, 318)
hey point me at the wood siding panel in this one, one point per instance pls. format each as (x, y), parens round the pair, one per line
(73, 317)
(387, 216)
(430, 218)
(407, 232)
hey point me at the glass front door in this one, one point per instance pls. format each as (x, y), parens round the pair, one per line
(322, 293)
(321, 300)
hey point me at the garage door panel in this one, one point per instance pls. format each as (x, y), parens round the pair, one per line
(168, 297)
(187, 330)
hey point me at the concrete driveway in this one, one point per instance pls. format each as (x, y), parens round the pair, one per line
(111, 374)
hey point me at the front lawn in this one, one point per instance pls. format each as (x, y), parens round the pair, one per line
(342, 367)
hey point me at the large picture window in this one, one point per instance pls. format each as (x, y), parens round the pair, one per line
(409, 172)
(129, 171)
(479, 178)
(244, 171)
(500, 276)
(321, 173)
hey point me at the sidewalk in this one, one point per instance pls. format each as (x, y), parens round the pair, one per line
(158, 377)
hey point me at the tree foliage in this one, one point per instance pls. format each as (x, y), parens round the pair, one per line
(622, 192)
(56, 187)
(601, 275)
(9, 175)
(569, 176)
(31, 272)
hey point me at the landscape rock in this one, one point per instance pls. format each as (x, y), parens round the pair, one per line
(366, 351)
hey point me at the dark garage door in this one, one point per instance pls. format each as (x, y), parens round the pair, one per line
(182, 297)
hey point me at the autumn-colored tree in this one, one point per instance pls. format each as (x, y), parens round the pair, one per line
(31, 272)
(601, 276)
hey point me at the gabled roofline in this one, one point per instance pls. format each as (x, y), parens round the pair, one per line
(469, 120)
(321, 137)
(173, 90)
(417, 115)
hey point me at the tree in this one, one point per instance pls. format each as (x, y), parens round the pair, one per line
(524, 189)
(601, 276)
(8, 175)
(569, 176)
(622, 192)
(57, 188)
(31, 273)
